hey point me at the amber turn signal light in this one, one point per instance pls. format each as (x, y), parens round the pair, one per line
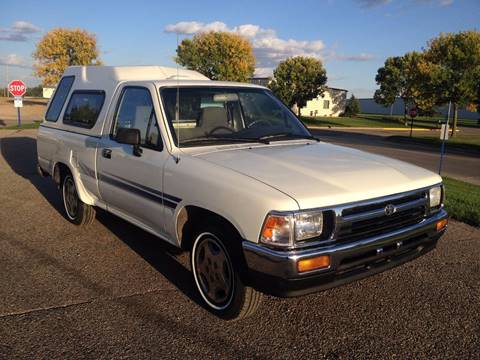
(442, 224)
(319, 262)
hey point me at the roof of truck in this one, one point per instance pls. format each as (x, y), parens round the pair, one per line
(108, 77)
(99, 74)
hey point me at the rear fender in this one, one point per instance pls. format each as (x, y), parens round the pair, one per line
(83, 194)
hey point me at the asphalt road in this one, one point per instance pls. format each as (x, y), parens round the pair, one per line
(457, 164)
(112, 291)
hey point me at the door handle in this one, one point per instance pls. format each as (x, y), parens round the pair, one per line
(107, 153)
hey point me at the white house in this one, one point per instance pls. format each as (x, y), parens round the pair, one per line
(331, 103)
(48, 92)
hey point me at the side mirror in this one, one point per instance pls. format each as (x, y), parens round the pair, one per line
(129, 137)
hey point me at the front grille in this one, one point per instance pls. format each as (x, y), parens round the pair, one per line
(369, 219)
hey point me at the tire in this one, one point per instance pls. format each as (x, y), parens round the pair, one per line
(76, 211)
(215, 263)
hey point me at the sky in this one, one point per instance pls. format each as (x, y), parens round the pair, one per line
(351, 37)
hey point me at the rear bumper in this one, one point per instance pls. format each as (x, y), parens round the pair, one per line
(275, 272)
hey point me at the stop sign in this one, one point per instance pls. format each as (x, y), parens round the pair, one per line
(17, 88)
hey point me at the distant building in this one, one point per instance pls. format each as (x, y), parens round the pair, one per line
(48, 92)
(331, 103)
(262, 81)
(369, 106)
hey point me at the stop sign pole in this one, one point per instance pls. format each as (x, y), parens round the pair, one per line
(17, 88)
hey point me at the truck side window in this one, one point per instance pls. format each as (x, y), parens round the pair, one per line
(135, 111)
(59, 97)
(83, 108)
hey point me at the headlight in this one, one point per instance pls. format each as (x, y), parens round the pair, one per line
(284, 230)
(308, 225)
(435, 196)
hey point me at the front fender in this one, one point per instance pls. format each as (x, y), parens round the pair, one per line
(240, 199)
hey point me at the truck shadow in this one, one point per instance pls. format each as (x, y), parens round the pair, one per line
(20, 153)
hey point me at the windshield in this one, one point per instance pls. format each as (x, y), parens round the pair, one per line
(222, 115)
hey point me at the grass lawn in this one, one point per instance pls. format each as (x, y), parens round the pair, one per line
(427, 121)
(462, 201)
(381, 121)
(362, 120)
(33, 125)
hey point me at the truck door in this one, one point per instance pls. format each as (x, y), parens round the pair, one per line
(131, 184)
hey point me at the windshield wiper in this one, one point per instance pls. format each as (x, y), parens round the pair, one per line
(287, 136)
(214, 139)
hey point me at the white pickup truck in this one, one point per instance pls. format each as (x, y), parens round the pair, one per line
(226, 171)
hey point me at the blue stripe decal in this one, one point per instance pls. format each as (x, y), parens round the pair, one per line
(169, 204)
(171, 197)
(140, 190)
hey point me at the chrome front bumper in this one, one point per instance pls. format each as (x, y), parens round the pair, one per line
(348, 261)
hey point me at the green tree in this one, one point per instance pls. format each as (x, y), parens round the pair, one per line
(61, 48)
(218, 56)
(298, 79)
(353, 106)
(454, 69)
(36, 91)
(400, 77)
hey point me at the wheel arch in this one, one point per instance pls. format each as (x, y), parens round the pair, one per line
(60, 170)
(190, 217)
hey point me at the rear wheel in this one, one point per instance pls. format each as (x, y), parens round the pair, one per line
(76, 210)
(216, 274)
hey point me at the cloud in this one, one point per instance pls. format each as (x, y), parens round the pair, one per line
(263, 72)
(445, 2)
(440, 3)
(20, 31)
(359, 57)
(14, 60)
(25, 27)
(336, 77)
(13, 37)
(184, 27)
(372, 3)
(269, 49)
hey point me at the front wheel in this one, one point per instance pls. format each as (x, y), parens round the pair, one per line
(76, 210)
(217, 277)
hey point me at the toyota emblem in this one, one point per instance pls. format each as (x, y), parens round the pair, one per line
(390, 209)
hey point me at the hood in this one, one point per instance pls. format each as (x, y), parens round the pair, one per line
(322, 174)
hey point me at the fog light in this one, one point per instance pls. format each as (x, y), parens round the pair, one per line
(442, 224)
(319, 262)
